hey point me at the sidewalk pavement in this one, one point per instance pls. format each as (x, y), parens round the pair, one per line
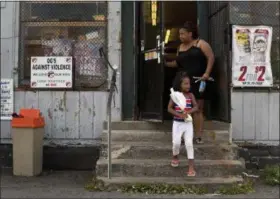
(70, 184)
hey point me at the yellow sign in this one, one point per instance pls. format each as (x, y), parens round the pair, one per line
(154, 13)
(242, 38)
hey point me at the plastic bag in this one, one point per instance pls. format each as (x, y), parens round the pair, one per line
(179, 99)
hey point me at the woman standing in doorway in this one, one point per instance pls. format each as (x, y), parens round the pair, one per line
(195, 57)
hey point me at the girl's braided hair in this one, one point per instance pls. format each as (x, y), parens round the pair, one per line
(178, 80)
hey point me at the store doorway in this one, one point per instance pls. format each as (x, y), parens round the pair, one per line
(158, 39)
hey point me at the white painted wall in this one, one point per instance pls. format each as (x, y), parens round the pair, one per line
(71, 117)
(255, 116)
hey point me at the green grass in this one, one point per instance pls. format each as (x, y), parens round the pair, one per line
(98, 186)
(271, 175)
(241, 188)
(163, 189)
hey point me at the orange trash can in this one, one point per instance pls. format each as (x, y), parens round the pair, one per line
(27, 138)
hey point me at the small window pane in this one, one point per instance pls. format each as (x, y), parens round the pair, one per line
(57, 11)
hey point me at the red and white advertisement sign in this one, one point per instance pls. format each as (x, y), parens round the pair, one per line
(251, 65)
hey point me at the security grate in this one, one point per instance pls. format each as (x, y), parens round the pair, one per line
(61, 28)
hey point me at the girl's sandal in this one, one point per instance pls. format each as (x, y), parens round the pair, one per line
(198, 140)
(191, 173)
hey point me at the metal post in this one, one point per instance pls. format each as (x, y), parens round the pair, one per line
(112, 89)
(109, 143)
(109, 115)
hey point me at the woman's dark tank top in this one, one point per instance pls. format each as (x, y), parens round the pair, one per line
(193, 61)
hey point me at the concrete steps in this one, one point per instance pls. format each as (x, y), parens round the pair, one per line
(158, 150)
(209, 136)
(217, 181)
(162, 168)
(165, 126)
(142, 151)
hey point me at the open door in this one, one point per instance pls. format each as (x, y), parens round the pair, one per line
(151, 71)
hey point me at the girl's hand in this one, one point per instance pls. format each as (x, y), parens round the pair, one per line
(184, 115)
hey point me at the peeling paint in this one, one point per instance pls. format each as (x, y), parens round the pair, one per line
(76, 114)
(60, 106)
(64, 98)
(62, 102)
(49, 113)
(85, 102)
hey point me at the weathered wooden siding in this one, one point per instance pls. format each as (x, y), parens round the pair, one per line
(68, 115)
(255, 116)
(71, 117)
(9, 38)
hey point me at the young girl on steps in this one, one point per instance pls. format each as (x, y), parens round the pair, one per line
(180, 127)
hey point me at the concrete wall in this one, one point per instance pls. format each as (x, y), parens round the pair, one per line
(71, 117)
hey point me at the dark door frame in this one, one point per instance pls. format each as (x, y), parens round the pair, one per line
(137, 61)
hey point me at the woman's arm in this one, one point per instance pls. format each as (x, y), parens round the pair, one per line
(172, 64)
(172, 111)
(208, 52)
(194, 103)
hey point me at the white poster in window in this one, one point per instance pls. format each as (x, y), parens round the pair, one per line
(7, 99)
(51, 72)
(251, 65)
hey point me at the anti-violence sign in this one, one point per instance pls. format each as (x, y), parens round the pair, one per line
(51, 72)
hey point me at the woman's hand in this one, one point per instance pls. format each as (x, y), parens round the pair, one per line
(170, 64)
(205, 76)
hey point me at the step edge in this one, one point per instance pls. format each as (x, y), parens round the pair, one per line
(164, 162)
(157, 131)
(173, 180)
(160, 145)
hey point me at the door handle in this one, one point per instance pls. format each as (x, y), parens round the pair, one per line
(158, 48)
(162, 48)
(158, 41)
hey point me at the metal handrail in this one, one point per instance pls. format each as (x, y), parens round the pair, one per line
(112, 89)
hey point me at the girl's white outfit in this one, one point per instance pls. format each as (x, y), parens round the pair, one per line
(181, 128)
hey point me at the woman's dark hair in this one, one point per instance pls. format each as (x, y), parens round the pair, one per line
(178, 80)
(190, 27)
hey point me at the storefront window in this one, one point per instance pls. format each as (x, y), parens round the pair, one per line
(77, 29)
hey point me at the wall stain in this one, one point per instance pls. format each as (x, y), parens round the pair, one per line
(64, 98)
(62, 102)
(60, 105)
(76, 114)
(50, 113)
(85, 102)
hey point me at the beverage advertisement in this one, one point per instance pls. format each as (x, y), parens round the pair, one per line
(51, 72)
(7, 99)
(251, 65)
